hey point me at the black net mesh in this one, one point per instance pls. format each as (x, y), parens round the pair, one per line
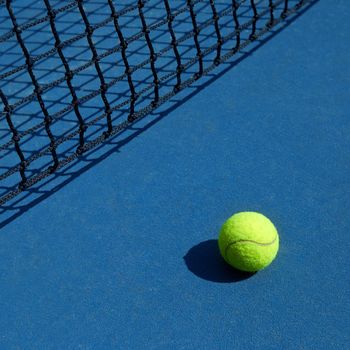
(75, 73)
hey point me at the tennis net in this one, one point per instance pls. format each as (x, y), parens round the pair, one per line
(75, 73)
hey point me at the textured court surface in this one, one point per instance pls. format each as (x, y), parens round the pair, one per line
(123, 255)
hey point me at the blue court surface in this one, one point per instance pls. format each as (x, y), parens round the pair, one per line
(118, 250)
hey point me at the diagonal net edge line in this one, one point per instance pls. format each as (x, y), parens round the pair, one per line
(129, 40)
(146, 110)
(85, 98)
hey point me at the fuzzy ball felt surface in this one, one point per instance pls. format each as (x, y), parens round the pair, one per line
(248, 241)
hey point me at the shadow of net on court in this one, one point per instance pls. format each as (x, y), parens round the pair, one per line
(74, 77)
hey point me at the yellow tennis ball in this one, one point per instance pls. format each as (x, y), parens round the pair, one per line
(248, 241)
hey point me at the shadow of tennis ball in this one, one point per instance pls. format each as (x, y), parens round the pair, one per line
(204, 260)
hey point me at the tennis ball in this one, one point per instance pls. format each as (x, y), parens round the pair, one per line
(248, 241)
